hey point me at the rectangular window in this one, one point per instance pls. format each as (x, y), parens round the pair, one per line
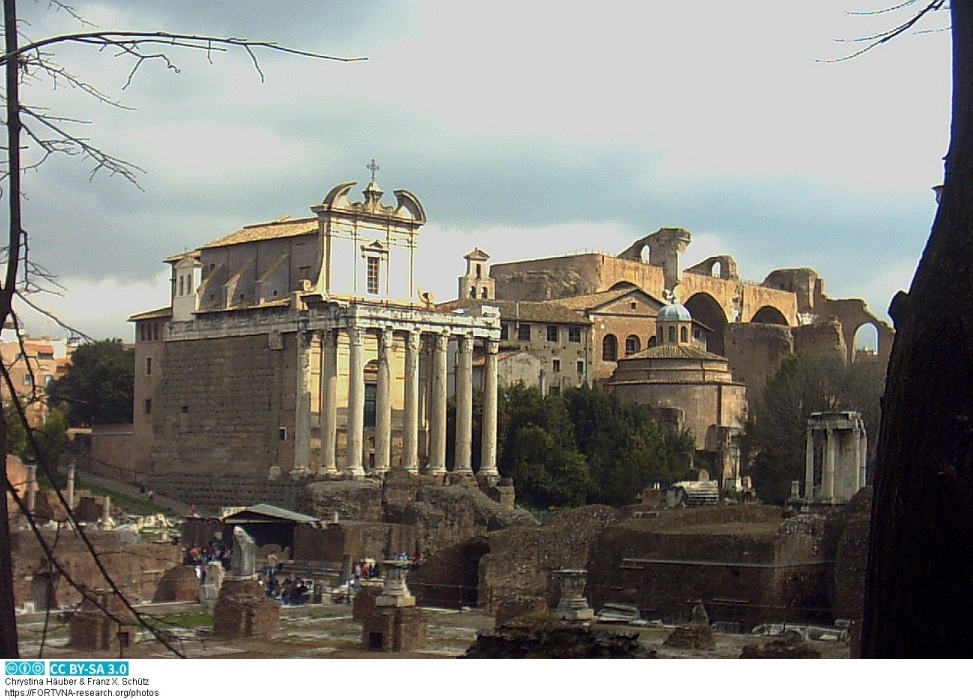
(28, 379)
(557, 365)
(523, 331)
(148, 366)
(148, 406)
(371, 394)
(504, 331)
(372, 276)
(552, 334)
(580, 366)
(282, 433)
(574, 334)
(554, 390)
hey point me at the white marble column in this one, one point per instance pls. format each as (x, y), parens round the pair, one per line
(488, 446)
(827, 480)
(31, 488)
(302, 406)
(410, 421)
(356, 402)
(437, 412)
(809, 466)
(69, 496)
(329, 401)
(383, 403)
(464, 406)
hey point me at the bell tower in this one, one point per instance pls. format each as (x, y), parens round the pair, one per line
(476, 283)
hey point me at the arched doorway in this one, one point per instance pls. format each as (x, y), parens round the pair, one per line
(769, 314)
(865, 343)
(706, 310)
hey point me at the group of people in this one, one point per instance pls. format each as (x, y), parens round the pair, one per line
(214, 551)
(290, 592)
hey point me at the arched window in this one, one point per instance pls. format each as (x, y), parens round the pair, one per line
(672, 334)
(483, 293)
(683, 335)
(632, 345)
(652, 342)
(609, 348)
(472, 292)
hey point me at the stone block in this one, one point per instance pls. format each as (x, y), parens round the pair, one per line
(243, 611)
(102, 622)
(394, 629)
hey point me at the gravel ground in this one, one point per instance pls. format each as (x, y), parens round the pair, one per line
(327, 631)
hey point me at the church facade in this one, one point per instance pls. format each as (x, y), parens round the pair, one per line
(299, 346)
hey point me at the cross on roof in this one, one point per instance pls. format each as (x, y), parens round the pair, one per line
(373, 166)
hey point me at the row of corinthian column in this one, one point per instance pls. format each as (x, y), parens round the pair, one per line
(383, 405)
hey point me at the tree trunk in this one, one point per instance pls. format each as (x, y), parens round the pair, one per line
(919, 583)
(8, 623)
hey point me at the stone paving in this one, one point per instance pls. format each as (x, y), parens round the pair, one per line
(328, 631)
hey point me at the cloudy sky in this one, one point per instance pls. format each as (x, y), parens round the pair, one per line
(525, 128)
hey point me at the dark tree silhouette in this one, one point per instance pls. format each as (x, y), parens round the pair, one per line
(919, 587)
(51, 135)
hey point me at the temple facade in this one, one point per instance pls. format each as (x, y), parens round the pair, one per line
(298, 346)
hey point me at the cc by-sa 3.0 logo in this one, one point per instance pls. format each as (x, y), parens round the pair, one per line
(24, 668)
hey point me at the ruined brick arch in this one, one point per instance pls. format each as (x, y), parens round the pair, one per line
(769, 314)
(707, 310)
(883, 337)
(722, 266)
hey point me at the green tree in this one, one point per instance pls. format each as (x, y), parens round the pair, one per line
(777, 426)
(99, 384)
(16, 432)
(626, 446)
(536, 448)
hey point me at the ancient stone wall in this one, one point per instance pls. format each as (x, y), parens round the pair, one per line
(704, 406)
(445, 515)
(136, 568)
(351, 500)
(725, 556)
(850, 556)
(220, 405)
(755, 351)
(113, 450)
(179, 583)
(521, 560)
(821, 339)
(222, 490)
(376, 541)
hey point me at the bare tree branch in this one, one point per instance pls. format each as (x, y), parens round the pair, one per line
(883, 37)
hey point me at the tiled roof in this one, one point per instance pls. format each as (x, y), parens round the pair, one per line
(674, 352)
(529, 311)
(272, 512)
(282, 228)
(591, 301)
(164, 312)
